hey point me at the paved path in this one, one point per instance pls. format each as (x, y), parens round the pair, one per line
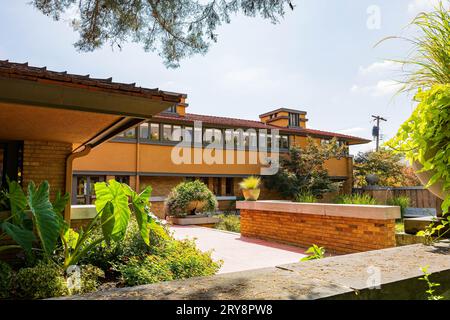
(239, 253)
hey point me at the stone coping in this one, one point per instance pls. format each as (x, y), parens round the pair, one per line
(324, 209)
(394, 270)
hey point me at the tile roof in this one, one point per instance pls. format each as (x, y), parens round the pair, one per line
(243, 123)
(26, 72)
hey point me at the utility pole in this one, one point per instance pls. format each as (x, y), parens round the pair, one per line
(376, 130)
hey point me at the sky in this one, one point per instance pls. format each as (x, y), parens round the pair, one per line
(320, 58)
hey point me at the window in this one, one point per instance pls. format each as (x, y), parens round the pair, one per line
(167, 132)
(84, 193)
(154, 131)
(229, 186)
(284, 142)
(130, 134)
(217, 186)
(294, 120)
(187, 134)
(253, 140)
(143, 131)
(123, 179)
(176, 133)
(172, 109)
(212, 135)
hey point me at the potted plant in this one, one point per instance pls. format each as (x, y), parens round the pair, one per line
(189, 199)
(250, 188)
(423, 138)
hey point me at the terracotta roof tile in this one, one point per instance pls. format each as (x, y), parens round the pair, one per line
(243, 123)
(24, 71)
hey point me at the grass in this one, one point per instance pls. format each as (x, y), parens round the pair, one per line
(355, 199)
(399, 227)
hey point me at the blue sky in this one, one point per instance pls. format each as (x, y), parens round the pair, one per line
(320, 59)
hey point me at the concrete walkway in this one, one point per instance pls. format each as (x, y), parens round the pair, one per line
(238, 253)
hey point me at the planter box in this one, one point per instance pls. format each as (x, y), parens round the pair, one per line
(194, 220)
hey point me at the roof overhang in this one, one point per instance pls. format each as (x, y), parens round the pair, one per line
(36, 110)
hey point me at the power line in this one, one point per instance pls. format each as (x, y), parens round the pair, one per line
(376, 130)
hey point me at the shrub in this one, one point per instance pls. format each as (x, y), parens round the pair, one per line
(45, 280)
(151, 269)
(306, 197)
(174, 260)
(229, 222)
(177, 204)
(355, 199)
(6, 275)
(105, 256)
(90, 278)
(403, 202)
(185, 260)
(250, 183)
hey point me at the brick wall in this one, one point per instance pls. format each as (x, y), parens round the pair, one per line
(336, 234)
(43, 160)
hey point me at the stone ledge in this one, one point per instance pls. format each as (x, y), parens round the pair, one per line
(324, 209)
(339, 277)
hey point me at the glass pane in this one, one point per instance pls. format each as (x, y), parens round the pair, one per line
(81, 189)
(187, 134)
(207, 137)
(167, 132)
(176, 133)
(154, 131)
(253, 140)
(228, 136)
(284, 144)
(143, 131)
(131, 133)
(198, 135)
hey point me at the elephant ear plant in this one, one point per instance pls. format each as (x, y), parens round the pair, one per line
(33, 211)
(115, 203)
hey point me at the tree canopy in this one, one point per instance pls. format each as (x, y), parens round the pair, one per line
(176, 29)
(303, 171)
(390, 168)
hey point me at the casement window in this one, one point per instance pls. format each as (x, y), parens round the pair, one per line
(229, 186)
(284, 142)
(212, 135)
(188, 134)
(172, 109)
(176, 133)
(154, 131)
(149, 131)
(294, 120)
(84, 191)
(144, 131)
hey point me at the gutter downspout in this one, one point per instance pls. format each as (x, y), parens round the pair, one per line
(69, 177)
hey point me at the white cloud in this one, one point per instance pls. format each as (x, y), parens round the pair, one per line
(379, 68)
(381, 88)
(416, 6)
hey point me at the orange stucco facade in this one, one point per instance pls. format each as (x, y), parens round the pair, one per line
(146, 157)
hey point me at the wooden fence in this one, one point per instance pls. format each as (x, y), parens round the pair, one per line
(419, 196)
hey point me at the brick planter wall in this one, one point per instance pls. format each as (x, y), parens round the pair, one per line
(338, 228)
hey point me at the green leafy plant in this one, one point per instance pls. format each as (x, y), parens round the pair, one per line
(316, 252)
(250, 183)
(387, 165)
(115, 202)
(306, 197)
(6, 275)
(184, 194)
(424, 137)
(303, 170)
(151, 269)
(45, 280)
(431, 285)
(436, 230)
(229, 222)
(46, 218)
(356, 198)
(403, 202)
